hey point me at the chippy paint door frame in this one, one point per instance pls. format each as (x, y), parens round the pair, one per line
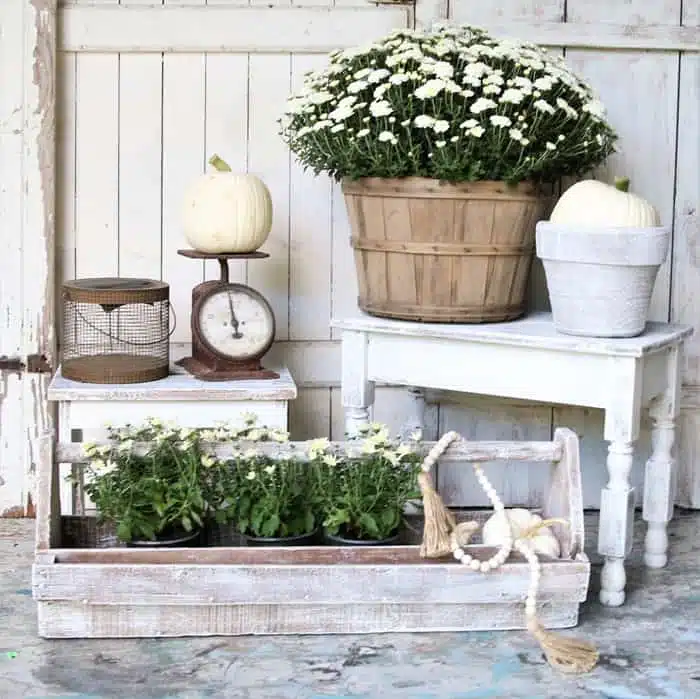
(27, 144)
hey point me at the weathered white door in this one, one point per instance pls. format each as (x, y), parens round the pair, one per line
(26, 245)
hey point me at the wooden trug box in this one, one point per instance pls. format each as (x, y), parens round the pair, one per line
(123, 592)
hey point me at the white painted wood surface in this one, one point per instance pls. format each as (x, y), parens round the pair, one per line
(527, 359)
(135, 126)
(241, 590)
(27, 138)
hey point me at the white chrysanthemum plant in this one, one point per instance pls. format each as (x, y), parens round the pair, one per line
(451, 103)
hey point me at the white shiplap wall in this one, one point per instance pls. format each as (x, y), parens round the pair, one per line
(145, 98)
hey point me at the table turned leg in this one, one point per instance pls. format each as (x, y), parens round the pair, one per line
(616, 523)
(357, 391)
(660, 472)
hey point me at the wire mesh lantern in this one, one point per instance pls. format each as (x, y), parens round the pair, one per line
(115, 330)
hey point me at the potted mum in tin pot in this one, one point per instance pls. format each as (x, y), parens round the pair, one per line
(363, 493)
(446, 142)
(276, 504)
(154, 497)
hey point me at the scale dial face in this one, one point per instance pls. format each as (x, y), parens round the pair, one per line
(235, 322)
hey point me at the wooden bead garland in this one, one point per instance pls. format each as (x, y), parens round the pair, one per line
(443, 535)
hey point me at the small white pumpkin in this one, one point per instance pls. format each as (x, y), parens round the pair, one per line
(226, 212)
(597, 204)
(543, 542)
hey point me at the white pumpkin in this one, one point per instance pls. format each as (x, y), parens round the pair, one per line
(597, 204)
(543, 542)
(226, 212)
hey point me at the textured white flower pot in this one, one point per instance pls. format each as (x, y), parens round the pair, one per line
(600, 280)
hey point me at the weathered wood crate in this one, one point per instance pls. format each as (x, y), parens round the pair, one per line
(123, 592)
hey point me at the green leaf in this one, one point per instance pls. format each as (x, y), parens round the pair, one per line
(124, 531)
(369, 524)
(271, 525)
(186, 523)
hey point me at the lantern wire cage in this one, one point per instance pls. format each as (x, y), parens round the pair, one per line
(116, 330)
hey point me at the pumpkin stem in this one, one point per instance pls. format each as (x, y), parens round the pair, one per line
(622, 183)
(219, 163)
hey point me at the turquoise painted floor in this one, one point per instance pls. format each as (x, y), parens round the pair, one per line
(650, 649)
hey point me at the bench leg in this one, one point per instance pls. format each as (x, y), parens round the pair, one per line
(616, 523)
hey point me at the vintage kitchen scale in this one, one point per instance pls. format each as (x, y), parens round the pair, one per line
(233, 325)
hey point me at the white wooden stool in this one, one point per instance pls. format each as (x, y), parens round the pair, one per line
(180, 398)
(528, 359)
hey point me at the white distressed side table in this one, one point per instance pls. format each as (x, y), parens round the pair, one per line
(179, 398)
(528, 359)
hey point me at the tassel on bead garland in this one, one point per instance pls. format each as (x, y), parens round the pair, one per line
(442, 536)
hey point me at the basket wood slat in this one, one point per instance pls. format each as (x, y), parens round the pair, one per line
(438, 252)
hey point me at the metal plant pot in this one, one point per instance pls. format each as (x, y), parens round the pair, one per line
(299, 540)
(338, 540)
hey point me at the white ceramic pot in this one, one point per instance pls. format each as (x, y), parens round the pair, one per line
(600, 280)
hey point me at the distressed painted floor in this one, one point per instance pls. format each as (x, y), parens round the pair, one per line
(650, 649)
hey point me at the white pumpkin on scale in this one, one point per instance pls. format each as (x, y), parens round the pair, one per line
(602, 249)
(226, 212)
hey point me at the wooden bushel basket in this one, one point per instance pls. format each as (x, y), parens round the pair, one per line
(437, 252)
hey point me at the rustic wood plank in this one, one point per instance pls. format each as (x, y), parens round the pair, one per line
(102, 28)
(458, 451)
(179, 386)
(97, 166)
(319, 30)
(450, 583)
(310, 239)
(269, 159)
(310, 414)
(140, 154)
(183, 161)
(75, 620)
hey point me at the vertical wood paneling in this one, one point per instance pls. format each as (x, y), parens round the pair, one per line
(183, 160)
(12, 485)
(97, 165)
(140, 149)
(226, 128)
(505, 10)
(310, 414)
(685, 296)
(65, 174)
(310, 238)
(269, 159)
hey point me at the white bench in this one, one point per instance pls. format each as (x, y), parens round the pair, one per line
(528, 359)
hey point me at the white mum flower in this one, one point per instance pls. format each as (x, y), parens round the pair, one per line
(362, 132)
(544, 83)
(482, 104)
(516, 134)
(431, 88)
(398, 78)
(476, 70)
(270, 469)
(477, 131)
(525, 84)
(493, 79)
(512, 95)
(357, 86)
(550, 146)
(440, 144)
(565, 106)
(387, 136)
(594, 108)
(380, 90)
(362, 73)
(543, 106)
(321, 97)
(469, 124)
(500, 120)
(378, 75)
(423, 121)
(250, 476)
(491, 90)
(380, 108)
(441, 126)
(454, 139)
(337, 128)
(347, 101)
(319, 125)
(341, 113)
